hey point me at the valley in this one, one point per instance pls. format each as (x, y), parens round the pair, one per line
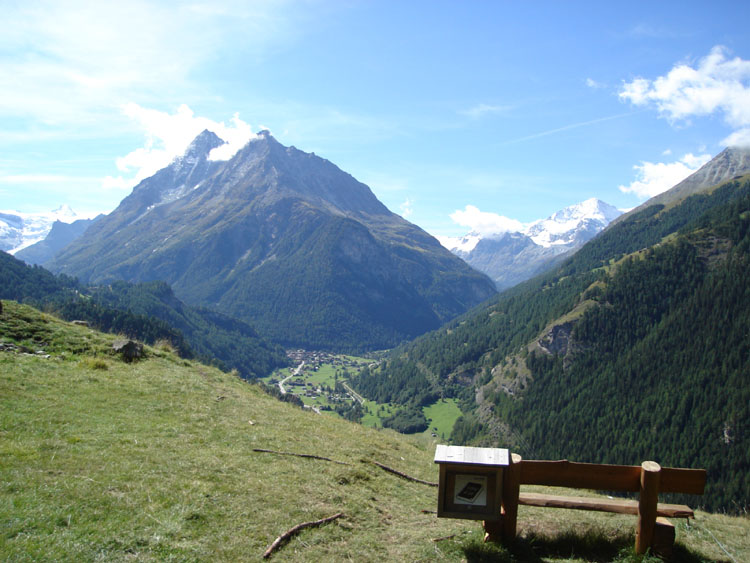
(322, 382)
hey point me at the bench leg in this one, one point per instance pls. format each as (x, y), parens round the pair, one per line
(493, 530)
(663, 541)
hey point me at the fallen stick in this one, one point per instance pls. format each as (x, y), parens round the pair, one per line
(444, 538)
(404, 475)
(310, 456)
(289, 533)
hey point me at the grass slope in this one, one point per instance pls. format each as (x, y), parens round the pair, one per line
(103, 460)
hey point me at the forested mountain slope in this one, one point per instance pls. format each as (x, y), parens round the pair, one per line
(149, 312)
(635, 348)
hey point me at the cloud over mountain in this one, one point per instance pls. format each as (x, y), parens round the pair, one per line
(653, 178)
(167, 136)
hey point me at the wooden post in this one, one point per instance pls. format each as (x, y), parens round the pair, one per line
(511, 488)
(647, 504)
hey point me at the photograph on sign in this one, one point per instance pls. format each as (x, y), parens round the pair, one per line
(470, 489)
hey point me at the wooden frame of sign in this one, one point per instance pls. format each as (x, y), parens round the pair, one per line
(471, 481)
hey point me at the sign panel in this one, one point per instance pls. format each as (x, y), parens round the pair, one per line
(471, 481)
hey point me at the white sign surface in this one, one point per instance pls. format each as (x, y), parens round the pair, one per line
(470, 489)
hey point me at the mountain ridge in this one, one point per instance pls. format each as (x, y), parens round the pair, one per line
(731, 162)
(59, 236)
(20, 230)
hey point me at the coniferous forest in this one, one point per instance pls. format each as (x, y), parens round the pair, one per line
(654, 363)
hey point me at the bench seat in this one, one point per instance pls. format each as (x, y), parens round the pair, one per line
(618, 506)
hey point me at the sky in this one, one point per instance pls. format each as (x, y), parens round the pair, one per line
(458, 115)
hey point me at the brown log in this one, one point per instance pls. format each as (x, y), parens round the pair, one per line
(678, 480)
(576, 475)
(289, 533)
(309, 456)
(617, 506)
(647, 505)
(404, 475)
(598, 477)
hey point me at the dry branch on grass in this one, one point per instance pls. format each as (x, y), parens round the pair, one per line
(404, 475)
(309, 456)
(290, 532)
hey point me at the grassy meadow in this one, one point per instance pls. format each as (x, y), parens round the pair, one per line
(102, 460)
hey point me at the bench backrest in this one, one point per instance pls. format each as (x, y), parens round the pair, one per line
(626, 478)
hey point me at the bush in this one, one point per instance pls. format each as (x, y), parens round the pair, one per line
(407, 421)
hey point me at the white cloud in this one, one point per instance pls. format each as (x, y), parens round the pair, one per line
(480, 110)
(118, 183)
(740, 138)
(168, 136)
(36, 178)
(406, 208)
(74, 63)
(591, 83)
(655, 178)
(715, 84)
(484, 223)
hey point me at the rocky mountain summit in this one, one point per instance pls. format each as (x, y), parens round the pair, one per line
(730, 163)
(282, 239)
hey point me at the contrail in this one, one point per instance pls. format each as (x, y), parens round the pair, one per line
(568, 127)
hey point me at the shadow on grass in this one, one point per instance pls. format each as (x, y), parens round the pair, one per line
(594, 546)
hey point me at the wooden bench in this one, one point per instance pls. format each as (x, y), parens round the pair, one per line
(653, 530)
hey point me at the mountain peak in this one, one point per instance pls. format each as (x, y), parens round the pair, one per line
(567, 225)
(203, 144)
(196, 155)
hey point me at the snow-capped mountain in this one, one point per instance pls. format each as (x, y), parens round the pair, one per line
(19, 230)
(573, 225)
(512, 257)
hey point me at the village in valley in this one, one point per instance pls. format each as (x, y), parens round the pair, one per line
(322, 382)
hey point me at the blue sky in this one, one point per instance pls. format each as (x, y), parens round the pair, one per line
(449, 111)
